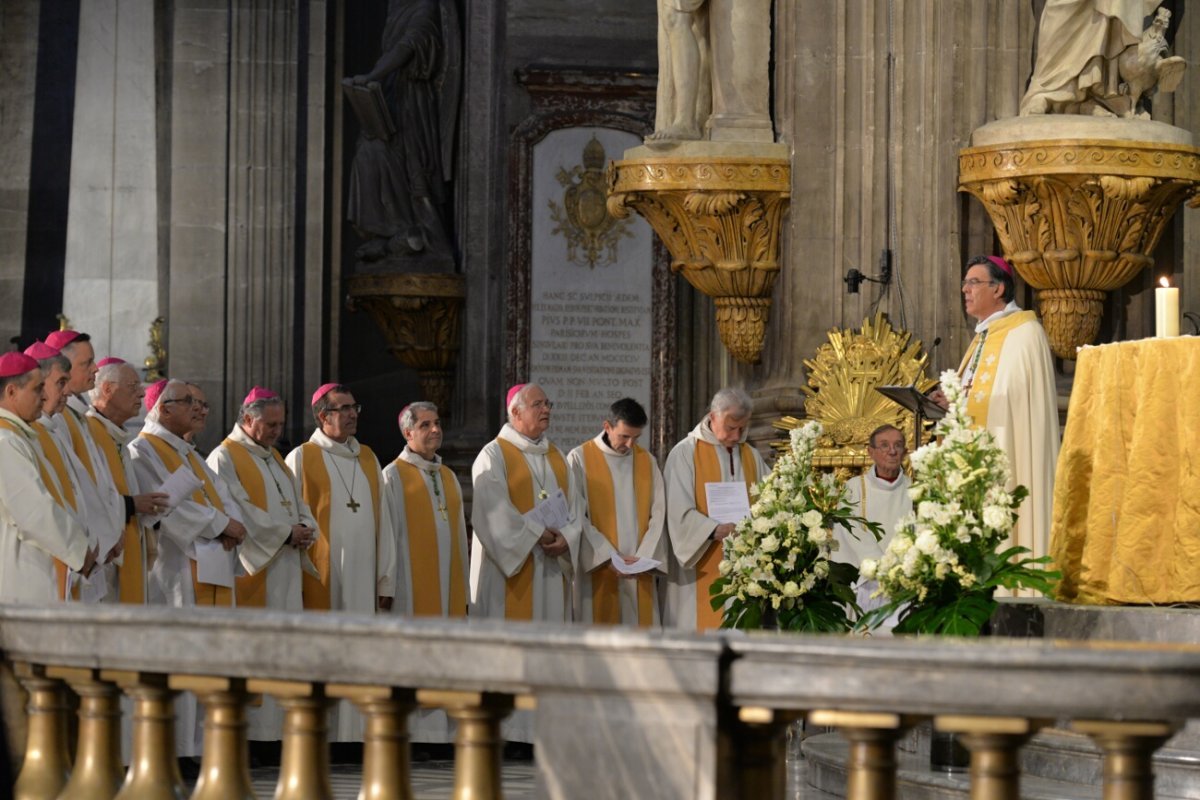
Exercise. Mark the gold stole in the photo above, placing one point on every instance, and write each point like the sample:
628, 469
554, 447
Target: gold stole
207, 594
423, 544
518, 590
252, 589
984, 379
602, 509
318, 493
708, 470
77, 442
132, 573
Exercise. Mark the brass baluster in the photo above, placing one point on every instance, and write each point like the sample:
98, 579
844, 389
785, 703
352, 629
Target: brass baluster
225, 765
304, 767
756, 759
154, 771
995, 745
98, 769
871, 765
47, 763
478, 745
387, 772
1128, 749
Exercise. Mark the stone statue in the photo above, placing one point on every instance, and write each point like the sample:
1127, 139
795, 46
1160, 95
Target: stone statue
1098, 57
399, 179
684, 83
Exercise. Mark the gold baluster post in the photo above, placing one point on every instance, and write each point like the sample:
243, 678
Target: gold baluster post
304, 767
387, 772
154, 770
1128, 749
754, 761
98, 770
478, 745
47, 763
995, 745
225, 766
871, 766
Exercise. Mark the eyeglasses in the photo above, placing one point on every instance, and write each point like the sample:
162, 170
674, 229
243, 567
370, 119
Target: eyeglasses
346, 409
888, 448
201, 404
972, 283
546, 404
187, 401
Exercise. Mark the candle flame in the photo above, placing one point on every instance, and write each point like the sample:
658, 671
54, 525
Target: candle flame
1164, 283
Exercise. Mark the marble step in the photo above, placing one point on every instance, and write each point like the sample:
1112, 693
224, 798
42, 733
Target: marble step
825, 756
1066, 756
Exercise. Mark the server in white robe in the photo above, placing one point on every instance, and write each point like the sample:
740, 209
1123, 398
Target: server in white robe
715, 451
624, 502
355, 551
880, 495
279, 526
431, 539
35, 527
1008, 378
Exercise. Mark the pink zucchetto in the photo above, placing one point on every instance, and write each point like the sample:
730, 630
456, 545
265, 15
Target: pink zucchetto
40, 350
104, 362
1002, 264
60, 339
321, 392
13, 364
512, 394
260, 393
153, 392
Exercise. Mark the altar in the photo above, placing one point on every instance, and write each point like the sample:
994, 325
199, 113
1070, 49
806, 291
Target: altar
1126, 521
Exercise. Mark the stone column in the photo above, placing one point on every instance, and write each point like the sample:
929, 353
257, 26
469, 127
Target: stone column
110, 287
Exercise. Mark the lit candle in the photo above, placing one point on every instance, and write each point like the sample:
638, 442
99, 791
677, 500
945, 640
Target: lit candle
1166, 310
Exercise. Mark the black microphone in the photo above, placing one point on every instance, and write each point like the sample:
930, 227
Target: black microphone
932, 349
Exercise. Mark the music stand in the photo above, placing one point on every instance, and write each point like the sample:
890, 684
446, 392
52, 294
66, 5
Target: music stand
922, 408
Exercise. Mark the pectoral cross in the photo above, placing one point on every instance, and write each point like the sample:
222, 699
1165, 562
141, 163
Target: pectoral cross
353, 505
287, 504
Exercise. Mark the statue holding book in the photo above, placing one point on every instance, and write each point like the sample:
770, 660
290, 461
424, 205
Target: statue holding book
406, 105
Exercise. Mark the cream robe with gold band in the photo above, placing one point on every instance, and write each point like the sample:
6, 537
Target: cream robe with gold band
73, 487
437, 556
34, 528
136, 554
880, 501
690, 530
360, 541
595, 549
1012, 393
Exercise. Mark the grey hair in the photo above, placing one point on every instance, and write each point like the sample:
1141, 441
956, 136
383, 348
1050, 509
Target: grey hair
169, 392
732, 400
408, 416
518, 400
882, 429
50, 362
109, 373
255, 409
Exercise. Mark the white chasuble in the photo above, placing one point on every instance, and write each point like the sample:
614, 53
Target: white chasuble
880, 501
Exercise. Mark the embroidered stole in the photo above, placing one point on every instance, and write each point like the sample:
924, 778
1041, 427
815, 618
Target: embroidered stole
708, 470
602, 510
132, 573
984, 380
318, 493
252, 589
207, 594
77, 442
423, 551
518, 590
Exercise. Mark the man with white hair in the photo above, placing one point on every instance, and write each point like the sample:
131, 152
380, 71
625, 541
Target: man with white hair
115, 400
37, 526
715, 451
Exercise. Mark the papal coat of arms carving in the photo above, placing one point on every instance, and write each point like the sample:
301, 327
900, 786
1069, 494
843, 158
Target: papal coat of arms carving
583, 220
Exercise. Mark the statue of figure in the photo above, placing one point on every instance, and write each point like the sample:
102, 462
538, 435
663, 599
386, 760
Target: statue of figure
684, 84
401, 170
1092, 57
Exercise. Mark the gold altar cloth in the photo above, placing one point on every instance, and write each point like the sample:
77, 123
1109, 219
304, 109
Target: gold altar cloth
1127, 489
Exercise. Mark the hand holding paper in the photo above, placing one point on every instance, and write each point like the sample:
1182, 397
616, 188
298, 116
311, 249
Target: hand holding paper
636, 568
178, 486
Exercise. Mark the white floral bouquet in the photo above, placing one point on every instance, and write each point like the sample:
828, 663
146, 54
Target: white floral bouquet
944, 564
776, 569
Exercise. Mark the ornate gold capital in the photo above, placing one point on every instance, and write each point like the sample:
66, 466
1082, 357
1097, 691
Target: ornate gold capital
419, 315
720, 218
1079, 217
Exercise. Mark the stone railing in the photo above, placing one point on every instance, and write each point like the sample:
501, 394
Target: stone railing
618, 713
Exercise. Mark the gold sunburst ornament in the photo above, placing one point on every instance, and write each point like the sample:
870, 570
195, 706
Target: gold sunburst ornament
841, 390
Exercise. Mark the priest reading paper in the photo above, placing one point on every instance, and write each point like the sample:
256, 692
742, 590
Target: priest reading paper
715, 451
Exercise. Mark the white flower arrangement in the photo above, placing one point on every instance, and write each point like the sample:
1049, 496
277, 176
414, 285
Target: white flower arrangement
943, 565
777, 564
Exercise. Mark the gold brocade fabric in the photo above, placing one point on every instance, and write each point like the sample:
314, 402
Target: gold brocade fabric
1127, 490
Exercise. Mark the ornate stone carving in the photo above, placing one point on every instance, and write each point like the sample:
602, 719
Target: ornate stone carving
720, 219
420, 316
156, 362
1079, 218
592, 233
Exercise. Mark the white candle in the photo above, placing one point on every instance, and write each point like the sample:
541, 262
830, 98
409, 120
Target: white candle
1166, 310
